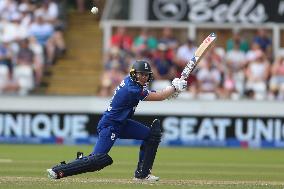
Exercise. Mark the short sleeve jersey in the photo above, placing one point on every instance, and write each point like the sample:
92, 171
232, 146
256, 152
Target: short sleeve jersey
124, 101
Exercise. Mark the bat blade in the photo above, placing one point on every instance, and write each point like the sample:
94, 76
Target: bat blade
199, 53
206, 44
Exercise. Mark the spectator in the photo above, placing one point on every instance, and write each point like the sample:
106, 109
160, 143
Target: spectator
184, 54
143, 55
280, 96
7, 8
238, 40
23, 77
43, 32
229, 87
252, 53
6, 56
114, 71
112, 77
121, 39
25, 8
169, 39
37, 50
264, 41
49, 9
26, 57
162, 66
4, 77
129, 60
13, 30
277, 77
235, 63
114, 60
41, 29
216, 56
144, 41
105, 88
208, 79
257, 74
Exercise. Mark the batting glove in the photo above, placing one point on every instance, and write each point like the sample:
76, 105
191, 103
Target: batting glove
179, 84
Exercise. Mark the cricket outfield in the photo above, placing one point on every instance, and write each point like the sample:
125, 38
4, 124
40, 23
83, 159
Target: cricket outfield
24, 166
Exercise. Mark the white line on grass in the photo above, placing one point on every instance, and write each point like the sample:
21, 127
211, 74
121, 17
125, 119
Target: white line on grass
6, 161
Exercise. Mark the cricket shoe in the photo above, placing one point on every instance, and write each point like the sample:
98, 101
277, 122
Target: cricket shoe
149, 178
51, 174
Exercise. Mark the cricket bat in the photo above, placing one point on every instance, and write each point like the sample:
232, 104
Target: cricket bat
201, 50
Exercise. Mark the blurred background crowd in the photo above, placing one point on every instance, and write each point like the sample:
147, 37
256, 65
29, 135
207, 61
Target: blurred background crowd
31, 39
245, 68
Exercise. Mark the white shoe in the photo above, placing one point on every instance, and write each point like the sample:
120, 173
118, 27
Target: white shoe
51, 174
150, 178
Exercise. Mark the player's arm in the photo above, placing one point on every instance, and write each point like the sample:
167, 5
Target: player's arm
161, 95
178, 85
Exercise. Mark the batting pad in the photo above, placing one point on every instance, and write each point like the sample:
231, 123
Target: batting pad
82, 165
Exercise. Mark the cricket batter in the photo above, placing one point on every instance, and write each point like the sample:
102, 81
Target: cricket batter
116, 123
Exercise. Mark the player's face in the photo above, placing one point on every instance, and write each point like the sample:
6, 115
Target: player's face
142, 77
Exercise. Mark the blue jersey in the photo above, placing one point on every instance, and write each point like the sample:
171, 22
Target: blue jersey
124, 101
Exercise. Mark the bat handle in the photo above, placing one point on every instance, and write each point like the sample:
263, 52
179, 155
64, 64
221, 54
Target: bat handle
189, 68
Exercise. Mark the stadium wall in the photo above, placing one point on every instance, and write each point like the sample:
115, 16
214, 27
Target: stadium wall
73, 120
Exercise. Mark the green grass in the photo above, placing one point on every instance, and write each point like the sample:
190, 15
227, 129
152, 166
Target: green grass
23, 166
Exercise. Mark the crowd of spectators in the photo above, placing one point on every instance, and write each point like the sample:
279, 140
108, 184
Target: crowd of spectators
244, 69
31, 38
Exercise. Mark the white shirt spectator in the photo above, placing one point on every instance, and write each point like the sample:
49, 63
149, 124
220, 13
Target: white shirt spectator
7, 8
257, 75
253, 52
185, 53
49, 10
13, 30
208, 78
26, 16
236, 59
